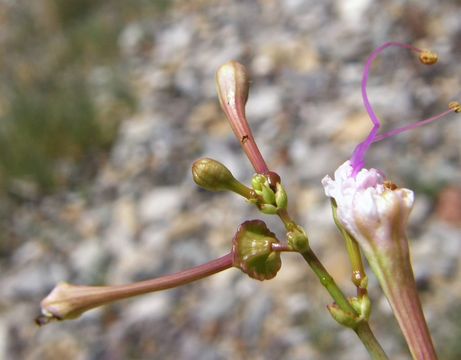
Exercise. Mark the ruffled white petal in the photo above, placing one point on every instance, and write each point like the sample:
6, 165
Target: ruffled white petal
368, 209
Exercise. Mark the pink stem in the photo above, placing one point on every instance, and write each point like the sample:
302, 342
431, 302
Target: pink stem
233, 86
399, 285
68, 301
236, 115
174, 280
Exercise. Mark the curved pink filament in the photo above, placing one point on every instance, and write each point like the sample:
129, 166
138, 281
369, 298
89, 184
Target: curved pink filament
358, 156
412, 126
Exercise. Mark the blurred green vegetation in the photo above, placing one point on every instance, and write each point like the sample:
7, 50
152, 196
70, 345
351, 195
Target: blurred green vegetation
65, 87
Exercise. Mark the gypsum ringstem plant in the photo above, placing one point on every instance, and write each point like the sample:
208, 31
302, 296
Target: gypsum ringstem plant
256, 251
373, 212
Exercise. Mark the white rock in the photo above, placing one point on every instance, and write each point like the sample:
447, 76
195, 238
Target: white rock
160, 204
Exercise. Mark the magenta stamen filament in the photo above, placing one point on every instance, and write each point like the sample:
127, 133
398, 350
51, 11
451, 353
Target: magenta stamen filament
412, 126
358, 156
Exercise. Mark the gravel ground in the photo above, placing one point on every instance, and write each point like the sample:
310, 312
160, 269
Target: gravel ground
144, 217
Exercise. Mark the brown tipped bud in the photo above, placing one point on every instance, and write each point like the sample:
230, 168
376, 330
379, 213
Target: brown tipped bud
428, 57
252, 250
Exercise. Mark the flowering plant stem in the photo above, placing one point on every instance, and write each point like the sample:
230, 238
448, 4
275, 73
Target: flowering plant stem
362, 329
368, 340
397, 280
174, 280
359, 277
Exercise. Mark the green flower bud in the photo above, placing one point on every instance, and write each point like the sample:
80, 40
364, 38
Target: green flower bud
281, 197
362, 305
344, 318
268, 209
273, 196
214, 176
252, 250
257, 182
297, 240
267, 194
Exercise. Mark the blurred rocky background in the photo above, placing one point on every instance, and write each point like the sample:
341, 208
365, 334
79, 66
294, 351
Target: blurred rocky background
104, 106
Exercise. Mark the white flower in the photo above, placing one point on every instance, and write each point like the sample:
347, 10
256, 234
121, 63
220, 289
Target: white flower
372, 209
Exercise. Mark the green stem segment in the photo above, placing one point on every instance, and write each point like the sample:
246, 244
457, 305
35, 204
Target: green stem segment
359, 277
327, 281
368, 339
286, 219
362, 330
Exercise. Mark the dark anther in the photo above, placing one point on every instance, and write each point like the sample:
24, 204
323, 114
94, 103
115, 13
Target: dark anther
273, 178
390, 185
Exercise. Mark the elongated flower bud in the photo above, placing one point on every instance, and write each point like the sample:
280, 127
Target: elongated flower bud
233, 84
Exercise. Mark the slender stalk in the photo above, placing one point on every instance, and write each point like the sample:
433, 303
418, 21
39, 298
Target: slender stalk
413, 324
370, 342
281, 248
362, 330
327, 281
170, 281
397, 280
286, 219
67, 301
359, 277
233, 83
